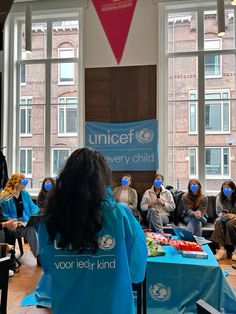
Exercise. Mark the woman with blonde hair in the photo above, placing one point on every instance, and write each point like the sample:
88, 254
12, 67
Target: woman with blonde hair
194, 207
17, 204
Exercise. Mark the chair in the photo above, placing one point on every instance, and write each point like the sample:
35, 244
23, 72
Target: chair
205, 308
4, 274
140, 288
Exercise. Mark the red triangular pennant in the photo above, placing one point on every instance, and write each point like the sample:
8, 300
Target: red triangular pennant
116, 17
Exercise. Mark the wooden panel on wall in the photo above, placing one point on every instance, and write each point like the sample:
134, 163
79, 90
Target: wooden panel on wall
122, 94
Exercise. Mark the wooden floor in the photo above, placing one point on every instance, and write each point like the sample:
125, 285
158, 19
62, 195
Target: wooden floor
24, 282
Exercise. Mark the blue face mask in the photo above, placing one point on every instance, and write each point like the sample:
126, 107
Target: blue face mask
124, 181
227, 191
24, 182
194, 187
48, 186
158, 183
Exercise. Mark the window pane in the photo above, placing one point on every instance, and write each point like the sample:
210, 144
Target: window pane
212, 65
65, 34
193, 162
225, 116
66, 72
213, 117
59, 159
22, 74
193, 117
22, 121
182, 26
39, 33
35, 127
22, 161
182, 78
211, 27
29, 161
71, 120
226, 161
61, 120
213, 161
35, 83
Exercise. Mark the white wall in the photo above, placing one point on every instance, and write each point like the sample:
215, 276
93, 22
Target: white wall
1, 61
140, 48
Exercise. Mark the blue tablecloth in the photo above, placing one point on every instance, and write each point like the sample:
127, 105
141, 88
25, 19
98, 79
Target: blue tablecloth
175, 283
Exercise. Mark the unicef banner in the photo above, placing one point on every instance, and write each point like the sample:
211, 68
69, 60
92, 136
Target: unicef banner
126, 146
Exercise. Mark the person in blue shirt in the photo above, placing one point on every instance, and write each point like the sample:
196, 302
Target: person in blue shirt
17, 204
92, 247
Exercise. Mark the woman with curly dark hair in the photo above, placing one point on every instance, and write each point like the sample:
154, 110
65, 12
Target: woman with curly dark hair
194, 207
225, 225
92, 247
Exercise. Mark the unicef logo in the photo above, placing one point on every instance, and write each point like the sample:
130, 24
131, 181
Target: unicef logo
106, 242
144, 136
160, 292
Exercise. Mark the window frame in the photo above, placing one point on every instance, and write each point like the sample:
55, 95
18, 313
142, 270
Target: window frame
163, 8
27, 174
12, 61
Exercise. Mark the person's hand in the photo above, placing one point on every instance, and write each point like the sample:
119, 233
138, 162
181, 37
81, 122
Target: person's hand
160, 202
229, 216
198, 214
10, 224
152, 204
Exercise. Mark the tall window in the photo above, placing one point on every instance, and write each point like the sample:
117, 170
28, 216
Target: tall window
67, 116
43, 107
26, 162
217, 118
25, 116
66, 70
213, 66
197, 107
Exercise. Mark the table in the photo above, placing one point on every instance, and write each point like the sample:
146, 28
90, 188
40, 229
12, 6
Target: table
175, 283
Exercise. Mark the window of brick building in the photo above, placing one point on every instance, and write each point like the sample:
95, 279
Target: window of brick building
217, 115
197, 95
26, 116
66, 70
26, 162
59, 158
67, 116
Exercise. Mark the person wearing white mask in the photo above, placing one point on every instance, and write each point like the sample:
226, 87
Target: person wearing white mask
159, 203
194, 207
225, 225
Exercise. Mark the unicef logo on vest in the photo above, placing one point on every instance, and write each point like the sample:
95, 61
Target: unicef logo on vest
144, 136
160, 292
106, 242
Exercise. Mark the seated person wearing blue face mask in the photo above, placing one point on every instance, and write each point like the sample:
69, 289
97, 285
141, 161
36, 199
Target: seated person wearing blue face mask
158, 202
47, 187
225, 225
127, 195
194, 207
17, 204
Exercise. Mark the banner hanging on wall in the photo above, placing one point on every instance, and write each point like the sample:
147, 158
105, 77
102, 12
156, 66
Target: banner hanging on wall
126, 146
115, 17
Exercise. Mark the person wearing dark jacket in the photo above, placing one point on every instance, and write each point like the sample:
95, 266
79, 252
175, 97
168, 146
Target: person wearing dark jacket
47, 188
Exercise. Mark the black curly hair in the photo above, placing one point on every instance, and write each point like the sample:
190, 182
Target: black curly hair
73, 210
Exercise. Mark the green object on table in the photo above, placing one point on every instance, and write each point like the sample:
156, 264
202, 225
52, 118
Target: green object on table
154, 249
